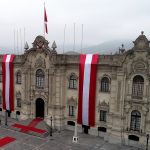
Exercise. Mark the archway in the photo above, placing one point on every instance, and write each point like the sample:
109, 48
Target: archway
39, 108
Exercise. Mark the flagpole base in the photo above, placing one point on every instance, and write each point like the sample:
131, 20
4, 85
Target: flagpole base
75, 139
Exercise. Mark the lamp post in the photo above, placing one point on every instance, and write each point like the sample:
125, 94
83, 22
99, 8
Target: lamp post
51, 126
147, 141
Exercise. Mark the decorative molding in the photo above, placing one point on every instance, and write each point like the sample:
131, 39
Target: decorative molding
40, 63
40, 42
141, 43
103, 106
72, 74
18, 94
72, 101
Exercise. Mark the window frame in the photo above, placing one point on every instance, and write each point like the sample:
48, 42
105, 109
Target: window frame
18, 78
103, 115
138, 87
40, 79
71, 110
18, 102
135, 122
105, 86
73, 82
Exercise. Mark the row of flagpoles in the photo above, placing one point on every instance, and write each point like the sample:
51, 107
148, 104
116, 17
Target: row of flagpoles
46, 31
19, 42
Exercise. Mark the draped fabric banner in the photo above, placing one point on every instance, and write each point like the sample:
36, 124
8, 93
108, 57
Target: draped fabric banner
87, 89
7, 81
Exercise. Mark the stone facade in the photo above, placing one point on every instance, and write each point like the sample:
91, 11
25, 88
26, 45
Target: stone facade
55, 89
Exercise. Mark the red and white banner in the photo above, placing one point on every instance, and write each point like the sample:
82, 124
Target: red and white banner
87, 89
7, 81
45, 20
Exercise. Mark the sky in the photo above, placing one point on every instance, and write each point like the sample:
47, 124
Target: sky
103, 20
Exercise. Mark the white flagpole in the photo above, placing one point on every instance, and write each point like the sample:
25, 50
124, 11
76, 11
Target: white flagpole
14, 42
81, 38
17, 41
64, 38
44, 19
20, 40
74, 37
24, 36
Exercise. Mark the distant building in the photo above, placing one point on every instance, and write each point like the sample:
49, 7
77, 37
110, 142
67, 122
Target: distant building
46, 84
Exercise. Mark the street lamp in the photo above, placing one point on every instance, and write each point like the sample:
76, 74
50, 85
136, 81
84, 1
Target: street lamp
51, 127
147, 141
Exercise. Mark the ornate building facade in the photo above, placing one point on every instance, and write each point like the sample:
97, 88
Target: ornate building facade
46, 84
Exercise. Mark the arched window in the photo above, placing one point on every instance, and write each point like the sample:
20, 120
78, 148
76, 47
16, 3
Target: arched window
137, 87
105, 84
18, 78
40, 78
73, 82
135, 120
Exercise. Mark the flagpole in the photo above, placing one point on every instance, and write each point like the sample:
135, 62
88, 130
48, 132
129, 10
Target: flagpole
6, 118
74, 37
44, 19
14, 42
20, 40
81, 38
64, 38
17, 41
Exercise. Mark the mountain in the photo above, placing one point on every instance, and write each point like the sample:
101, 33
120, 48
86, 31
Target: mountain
103, 48
109, 47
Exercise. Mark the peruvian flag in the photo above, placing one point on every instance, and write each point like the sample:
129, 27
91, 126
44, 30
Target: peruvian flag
45, 20
7, 81
87, 89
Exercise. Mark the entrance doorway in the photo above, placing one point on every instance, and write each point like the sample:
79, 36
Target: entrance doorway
39, 108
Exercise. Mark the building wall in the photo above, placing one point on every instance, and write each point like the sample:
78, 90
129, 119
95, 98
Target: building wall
119, 68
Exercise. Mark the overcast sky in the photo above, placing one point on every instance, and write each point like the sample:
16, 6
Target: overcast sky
103, 20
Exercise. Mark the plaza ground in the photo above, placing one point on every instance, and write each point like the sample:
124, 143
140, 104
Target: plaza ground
58, 141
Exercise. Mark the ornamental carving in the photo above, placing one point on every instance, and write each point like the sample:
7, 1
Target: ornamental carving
18, 94
40, 63
103, 106
139, 66
72, 101
40, 42
141, 43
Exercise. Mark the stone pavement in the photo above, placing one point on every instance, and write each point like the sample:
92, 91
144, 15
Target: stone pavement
59, 141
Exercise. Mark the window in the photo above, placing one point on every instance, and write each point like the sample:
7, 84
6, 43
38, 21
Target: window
102, 129
0, 76
71, 123
103, 115
39, 78
71, 110
138, 86
19, 102
73, 82
133, 137
135, 120
105, 84
18, 78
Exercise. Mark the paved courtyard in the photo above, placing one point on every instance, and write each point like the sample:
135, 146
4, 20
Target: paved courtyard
59, 141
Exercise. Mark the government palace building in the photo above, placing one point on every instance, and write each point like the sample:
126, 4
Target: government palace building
46, 85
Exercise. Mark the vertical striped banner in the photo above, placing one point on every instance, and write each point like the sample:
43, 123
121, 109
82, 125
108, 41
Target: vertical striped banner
7, 81
87, 89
